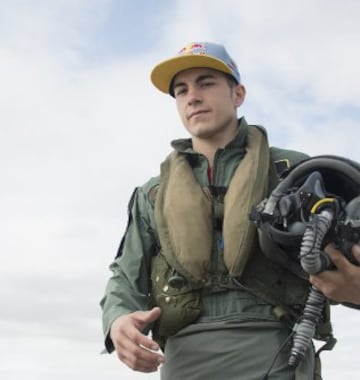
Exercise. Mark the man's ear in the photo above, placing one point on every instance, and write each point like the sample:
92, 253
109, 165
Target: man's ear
240, 93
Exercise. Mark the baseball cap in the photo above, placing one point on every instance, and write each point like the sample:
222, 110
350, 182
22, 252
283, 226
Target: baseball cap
194, 54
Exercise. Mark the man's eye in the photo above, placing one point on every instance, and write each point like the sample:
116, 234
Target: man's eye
180, 91
206, 84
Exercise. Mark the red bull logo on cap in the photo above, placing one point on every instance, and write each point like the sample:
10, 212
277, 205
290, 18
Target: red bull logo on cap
193, 49
194, 54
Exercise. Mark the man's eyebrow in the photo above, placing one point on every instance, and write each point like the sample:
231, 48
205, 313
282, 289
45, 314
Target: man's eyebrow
204, 77
199, 79
178, 84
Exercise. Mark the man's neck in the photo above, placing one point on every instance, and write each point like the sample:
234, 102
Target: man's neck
206, 150
208, 147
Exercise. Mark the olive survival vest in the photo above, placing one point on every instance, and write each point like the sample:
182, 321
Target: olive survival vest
185, 214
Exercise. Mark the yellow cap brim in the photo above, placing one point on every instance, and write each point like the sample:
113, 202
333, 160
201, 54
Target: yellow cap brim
164, 72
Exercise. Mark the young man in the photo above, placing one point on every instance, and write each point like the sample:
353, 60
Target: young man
189, 267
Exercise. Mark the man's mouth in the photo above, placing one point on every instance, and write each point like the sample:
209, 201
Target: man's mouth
196, 113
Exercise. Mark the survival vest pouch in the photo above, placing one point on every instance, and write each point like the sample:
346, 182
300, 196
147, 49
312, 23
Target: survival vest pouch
317, 201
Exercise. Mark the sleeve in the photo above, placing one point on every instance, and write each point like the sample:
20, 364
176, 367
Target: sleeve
128, 288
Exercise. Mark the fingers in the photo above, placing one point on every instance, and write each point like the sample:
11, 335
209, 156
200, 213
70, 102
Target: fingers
136, 350
343, 284
337, 258
340, 260
356, 252
138, 357
328, 282
143, 318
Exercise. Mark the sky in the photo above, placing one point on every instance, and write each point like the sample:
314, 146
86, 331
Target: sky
81, 125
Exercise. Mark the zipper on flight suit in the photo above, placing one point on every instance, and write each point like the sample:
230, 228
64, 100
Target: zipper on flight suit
218, 193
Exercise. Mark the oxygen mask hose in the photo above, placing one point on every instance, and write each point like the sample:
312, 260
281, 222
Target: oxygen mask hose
313, 260
305, 329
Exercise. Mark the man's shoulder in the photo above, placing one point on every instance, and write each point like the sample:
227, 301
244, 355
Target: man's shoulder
287, 156
150, 183
149, 189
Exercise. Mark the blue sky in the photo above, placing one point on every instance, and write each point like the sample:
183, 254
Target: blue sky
81, 126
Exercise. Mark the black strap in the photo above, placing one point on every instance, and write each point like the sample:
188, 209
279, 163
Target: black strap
130, 206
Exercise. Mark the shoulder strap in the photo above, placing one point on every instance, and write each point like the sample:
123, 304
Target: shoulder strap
130, 206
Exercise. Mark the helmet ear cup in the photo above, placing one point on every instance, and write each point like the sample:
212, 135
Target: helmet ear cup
353, 209
279, 239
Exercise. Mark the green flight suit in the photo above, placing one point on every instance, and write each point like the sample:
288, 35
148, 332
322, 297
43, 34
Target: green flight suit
237, 335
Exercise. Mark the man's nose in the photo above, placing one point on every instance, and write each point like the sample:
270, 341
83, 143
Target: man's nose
194, 95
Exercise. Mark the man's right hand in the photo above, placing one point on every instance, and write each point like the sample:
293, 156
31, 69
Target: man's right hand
136, 350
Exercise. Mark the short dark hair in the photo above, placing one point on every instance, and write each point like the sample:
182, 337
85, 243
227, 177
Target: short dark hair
231, 80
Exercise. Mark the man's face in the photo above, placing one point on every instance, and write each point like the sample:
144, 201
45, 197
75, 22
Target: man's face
206, 102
